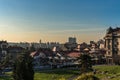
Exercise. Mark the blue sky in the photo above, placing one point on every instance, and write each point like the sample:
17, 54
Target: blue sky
56, 20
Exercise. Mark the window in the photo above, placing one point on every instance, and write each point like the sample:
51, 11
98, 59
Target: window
108, 53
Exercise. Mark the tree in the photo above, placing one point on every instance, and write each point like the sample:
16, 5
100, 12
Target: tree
23, 68
5, 62
85, 63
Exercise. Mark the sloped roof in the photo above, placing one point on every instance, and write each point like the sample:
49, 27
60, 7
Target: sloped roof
73, 54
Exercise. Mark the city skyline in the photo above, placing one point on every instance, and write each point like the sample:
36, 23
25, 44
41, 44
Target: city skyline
56, 20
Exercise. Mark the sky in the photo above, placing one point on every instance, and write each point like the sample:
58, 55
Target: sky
56, 20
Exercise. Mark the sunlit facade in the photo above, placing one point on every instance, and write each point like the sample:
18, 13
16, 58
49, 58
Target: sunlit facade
112, 45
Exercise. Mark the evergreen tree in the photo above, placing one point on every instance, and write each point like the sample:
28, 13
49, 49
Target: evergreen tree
85, 63
23, 68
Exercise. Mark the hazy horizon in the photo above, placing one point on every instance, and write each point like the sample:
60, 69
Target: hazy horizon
56, 20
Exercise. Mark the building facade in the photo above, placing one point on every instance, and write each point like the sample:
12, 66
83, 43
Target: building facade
3, 50
71, 44
72, 40
112, 45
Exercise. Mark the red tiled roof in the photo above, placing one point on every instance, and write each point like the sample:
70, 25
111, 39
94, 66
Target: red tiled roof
73, 54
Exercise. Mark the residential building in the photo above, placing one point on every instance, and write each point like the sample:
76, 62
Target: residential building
3, 49
71, 44
112, 45
101, 44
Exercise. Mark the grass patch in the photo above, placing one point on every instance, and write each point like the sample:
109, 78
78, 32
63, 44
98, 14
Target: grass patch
111, 69
6, 78
112, 72
55, 74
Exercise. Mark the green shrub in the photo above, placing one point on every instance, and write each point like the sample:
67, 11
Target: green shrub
87, 76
